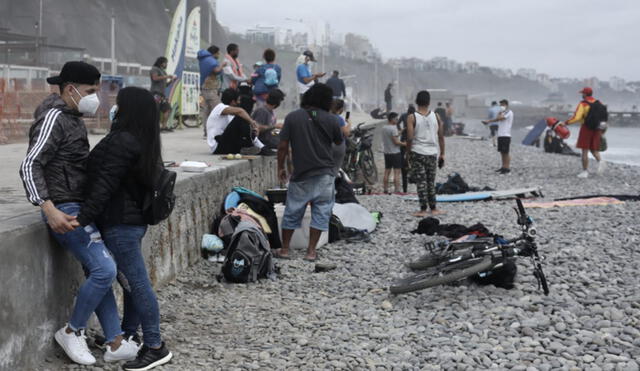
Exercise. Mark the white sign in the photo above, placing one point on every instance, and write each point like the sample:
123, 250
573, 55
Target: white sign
190, 93
193, 34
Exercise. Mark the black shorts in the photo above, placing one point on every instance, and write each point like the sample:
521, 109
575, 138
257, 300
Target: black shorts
494, 130
163, 102
393, 161
503, 144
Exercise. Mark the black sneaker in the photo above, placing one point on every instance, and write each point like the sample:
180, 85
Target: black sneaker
500, 170
149, 358
505, 171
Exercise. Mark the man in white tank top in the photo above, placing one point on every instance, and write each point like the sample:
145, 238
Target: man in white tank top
425, 151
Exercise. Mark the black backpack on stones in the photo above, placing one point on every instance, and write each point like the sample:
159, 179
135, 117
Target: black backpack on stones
597, 114
248, 257
159, 201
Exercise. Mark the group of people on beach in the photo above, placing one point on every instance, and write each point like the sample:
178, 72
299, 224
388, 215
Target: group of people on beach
500, 121
93, 201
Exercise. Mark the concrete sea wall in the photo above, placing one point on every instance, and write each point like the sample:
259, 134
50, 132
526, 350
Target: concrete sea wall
38, 279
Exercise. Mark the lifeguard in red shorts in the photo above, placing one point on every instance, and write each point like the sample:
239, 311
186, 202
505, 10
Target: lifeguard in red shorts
588, 139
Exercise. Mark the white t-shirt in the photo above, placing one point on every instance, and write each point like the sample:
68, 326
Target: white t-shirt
504, 126
216, 124
425, 141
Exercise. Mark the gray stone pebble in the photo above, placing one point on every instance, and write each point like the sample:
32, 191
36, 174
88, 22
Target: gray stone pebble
346, 319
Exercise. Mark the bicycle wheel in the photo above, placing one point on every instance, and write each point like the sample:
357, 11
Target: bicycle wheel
439, 276
192, 122
426, 261
368, 166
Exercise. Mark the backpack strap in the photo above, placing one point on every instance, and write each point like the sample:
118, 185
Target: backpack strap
314, 119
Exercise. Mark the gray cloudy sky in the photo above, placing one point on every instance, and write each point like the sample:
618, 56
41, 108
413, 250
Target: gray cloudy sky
565, 38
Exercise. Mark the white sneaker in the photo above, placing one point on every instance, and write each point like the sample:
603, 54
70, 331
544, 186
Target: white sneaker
602, 166
75, 345
583, 174
127, 352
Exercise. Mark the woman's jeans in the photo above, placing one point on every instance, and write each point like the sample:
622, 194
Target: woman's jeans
95, 294
140, 303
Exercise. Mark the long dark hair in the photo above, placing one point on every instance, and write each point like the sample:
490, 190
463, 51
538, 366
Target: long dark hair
138, 115
160, 61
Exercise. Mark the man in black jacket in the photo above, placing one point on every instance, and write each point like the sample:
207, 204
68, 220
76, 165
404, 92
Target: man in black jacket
337, 85
53, 175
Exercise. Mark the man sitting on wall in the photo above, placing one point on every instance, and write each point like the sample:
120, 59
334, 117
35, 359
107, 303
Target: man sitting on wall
230, 129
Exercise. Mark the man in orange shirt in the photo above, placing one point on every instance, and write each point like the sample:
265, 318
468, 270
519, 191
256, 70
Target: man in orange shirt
588, 139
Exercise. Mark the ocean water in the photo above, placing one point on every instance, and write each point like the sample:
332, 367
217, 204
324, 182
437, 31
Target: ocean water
623, 142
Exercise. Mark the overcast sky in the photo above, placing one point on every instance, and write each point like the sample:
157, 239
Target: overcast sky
564, 38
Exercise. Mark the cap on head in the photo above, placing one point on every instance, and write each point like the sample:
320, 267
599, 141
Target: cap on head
309, 53
586, 91
76, 72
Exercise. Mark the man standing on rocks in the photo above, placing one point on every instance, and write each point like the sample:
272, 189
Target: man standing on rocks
310, 131
588, 139
425, 140
388, 97
494, 110
505, 121
337, 85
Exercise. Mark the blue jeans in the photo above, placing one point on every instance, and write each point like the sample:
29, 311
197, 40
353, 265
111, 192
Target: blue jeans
140, 303
95, 294
320, 192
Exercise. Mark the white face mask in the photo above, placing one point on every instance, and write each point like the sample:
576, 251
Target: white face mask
503, 108
112, 112
88, 104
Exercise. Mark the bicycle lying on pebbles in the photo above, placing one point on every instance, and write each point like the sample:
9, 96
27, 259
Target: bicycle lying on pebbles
458, 260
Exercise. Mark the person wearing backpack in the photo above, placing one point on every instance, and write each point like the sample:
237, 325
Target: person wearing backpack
122, 170
266, 77
311, 131
590, 113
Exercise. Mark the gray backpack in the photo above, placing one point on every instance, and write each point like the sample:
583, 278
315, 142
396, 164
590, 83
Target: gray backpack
249, 256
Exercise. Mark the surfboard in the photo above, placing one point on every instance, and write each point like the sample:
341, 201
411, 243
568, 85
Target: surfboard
534, 133
475, 196
517, 192
469, 196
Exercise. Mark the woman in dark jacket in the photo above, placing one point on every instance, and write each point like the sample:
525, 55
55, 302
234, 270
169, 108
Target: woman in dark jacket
120, 172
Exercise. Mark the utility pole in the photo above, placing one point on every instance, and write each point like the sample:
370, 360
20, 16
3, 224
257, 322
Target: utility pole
210, 33
375, 83
114, 67
40, 21
398, 82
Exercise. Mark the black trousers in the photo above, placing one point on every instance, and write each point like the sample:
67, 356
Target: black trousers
236, 136
405, 183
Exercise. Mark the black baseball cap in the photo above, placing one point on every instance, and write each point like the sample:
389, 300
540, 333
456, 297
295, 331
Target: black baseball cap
309, 54
77, 72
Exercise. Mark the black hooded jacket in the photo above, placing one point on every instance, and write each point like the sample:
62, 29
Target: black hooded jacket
114, 191
54, 168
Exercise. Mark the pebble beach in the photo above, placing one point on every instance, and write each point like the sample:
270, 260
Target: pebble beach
347, 319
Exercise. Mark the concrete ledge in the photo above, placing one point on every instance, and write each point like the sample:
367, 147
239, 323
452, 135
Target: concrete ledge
38, 279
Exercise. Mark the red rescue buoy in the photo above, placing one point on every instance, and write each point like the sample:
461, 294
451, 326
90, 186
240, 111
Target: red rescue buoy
560, 130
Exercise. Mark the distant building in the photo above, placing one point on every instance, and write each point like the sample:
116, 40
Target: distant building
262, 35
617, 83
593, 82
504, 73
527, 73
444, 63
471, 67
359, 47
